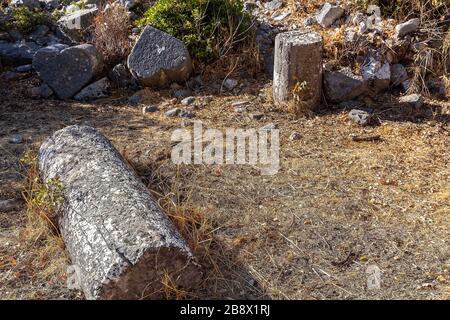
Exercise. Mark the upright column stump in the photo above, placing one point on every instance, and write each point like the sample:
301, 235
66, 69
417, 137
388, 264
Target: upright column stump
298, 68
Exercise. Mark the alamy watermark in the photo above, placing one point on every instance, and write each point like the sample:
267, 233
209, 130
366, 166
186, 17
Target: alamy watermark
259, 148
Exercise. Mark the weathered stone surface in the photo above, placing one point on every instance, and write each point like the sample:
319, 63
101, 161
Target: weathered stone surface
329, 14
157, 59
116, 235
378, 74
412, 100
360, 117
407, 27
398, 74
19, 52
78, 20
298, 68
343, 85
67, 69
120, 76
43, 91
98, 89
9, 205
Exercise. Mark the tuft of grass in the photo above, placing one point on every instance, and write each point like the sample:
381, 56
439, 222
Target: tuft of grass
210, 28
25, 19
41, 233
110, 32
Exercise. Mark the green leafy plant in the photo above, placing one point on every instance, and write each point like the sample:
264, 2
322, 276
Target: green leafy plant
25, 20
210, 28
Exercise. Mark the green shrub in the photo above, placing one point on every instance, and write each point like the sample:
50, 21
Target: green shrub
25, 20
210, 28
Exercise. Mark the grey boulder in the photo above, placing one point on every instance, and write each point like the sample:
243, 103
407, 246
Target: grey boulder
67, 69
343, 85
158, 59
19, 52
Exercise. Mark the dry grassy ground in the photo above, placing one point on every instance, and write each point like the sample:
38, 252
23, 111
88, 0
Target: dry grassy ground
309, 232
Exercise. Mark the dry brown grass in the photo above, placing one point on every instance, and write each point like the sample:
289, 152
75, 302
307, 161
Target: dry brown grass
110, 33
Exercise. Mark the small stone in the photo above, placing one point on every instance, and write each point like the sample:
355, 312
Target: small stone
412, 100
407, 27
16, 139
230, 84
398, 74
135, 31
295, 136
43, 91
182, 93
273, 5
120, 76
309, 21
172, 112
360, 117
269, 126
10, 75
239, 103
188, 101
9, 205
240, 109
134, 99
24, 68
281, 16
149, 109
329, 14
256, 116
186, 114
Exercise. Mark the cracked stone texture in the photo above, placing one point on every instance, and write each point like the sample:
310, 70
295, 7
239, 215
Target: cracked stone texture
67, 69
115, 233
298, 60
158, 59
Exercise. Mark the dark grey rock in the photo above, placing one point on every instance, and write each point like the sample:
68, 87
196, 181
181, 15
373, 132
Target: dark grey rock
230, 84
398, 74
10, 75
121, 77
295, 136
24, 68
149, 109
39, 31
182, 93
187, 114
343, 85
360, 117
67, 69
256, 116
19, 52
96, 90
134, 99
16, 35
157, 59
117, 237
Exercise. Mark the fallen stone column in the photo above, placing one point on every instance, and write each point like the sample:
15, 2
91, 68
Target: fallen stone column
119, 240
298, 68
